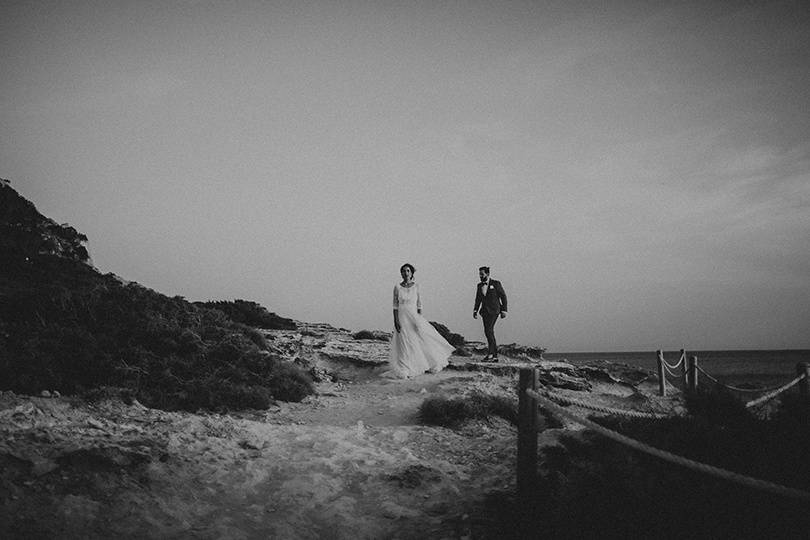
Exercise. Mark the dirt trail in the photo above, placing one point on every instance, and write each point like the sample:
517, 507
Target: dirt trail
350, 463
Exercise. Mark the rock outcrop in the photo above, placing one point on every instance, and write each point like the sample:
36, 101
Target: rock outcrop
378, 335
333, 354
518, 351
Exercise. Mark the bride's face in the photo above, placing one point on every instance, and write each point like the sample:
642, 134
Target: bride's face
406, 273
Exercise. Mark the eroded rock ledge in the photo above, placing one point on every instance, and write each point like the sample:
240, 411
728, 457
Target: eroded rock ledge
326, 351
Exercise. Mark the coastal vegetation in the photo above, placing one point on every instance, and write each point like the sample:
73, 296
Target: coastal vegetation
250, 313
66, 327
453, 411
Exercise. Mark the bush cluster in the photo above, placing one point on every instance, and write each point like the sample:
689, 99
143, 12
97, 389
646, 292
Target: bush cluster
64, 326
454, 411
250, 313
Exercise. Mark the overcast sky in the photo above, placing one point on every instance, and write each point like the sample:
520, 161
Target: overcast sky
637, 174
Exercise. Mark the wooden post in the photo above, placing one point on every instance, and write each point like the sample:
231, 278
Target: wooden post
527, 434
687, 373
803, 368
685, 370
693, 373
662, 377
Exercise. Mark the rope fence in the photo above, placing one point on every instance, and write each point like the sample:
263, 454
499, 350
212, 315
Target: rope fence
528, 423
665, 368
680, 361
691, 369
736, 388
608, 410
717, 472
776, 392
670, 371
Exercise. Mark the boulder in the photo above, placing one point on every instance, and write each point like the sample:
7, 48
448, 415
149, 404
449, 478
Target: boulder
378, 335
513, 349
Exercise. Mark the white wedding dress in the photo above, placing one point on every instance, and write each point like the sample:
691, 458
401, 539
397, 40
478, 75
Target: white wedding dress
417, 347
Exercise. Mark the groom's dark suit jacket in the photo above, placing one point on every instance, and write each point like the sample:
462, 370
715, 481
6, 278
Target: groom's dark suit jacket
491, 303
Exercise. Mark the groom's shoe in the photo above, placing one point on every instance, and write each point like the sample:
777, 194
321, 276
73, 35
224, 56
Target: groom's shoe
489, 358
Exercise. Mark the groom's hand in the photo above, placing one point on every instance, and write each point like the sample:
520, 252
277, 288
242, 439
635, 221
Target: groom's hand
475, 314
503, 314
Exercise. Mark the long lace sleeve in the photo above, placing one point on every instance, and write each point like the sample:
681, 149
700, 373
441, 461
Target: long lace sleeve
418, 299
396, 300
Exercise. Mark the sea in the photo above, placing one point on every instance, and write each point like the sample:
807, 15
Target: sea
734, 367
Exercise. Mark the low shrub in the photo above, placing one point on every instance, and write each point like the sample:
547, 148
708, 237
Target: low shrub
454, 411
212, 393
250, 313
289, 382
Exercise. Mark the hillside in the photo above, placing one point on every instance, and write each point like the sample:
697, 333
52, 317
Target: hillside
66, 327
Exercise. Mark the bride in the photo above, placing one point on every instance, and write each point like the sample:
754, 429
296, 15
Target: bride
416, 346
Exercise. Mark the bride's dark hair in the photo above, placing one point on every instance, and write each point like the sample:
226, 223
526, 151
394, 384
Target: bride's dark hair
407, 265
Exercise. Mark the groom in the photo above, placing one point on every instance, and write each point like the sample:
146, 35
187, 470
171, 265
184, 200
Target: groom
490, 301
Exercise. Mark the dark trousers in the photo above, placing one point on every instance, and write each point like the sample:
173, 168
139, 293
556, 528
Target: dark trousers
489, 332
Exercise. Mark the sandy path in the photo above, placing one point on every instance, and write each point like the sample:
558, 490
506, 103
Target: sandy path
353, 464
350, 463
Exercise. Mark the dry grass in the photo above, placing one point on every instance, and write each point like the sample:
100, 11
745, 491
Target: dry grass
454, 411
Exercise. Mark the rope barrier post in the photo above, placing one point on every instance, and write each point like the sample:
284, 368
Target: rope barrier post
685, 371
662, 380
693, 373
803, 368
527, 433
687, 374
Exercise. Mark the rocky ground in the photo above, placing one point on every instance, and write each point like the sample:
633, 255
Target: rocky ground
352, 461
